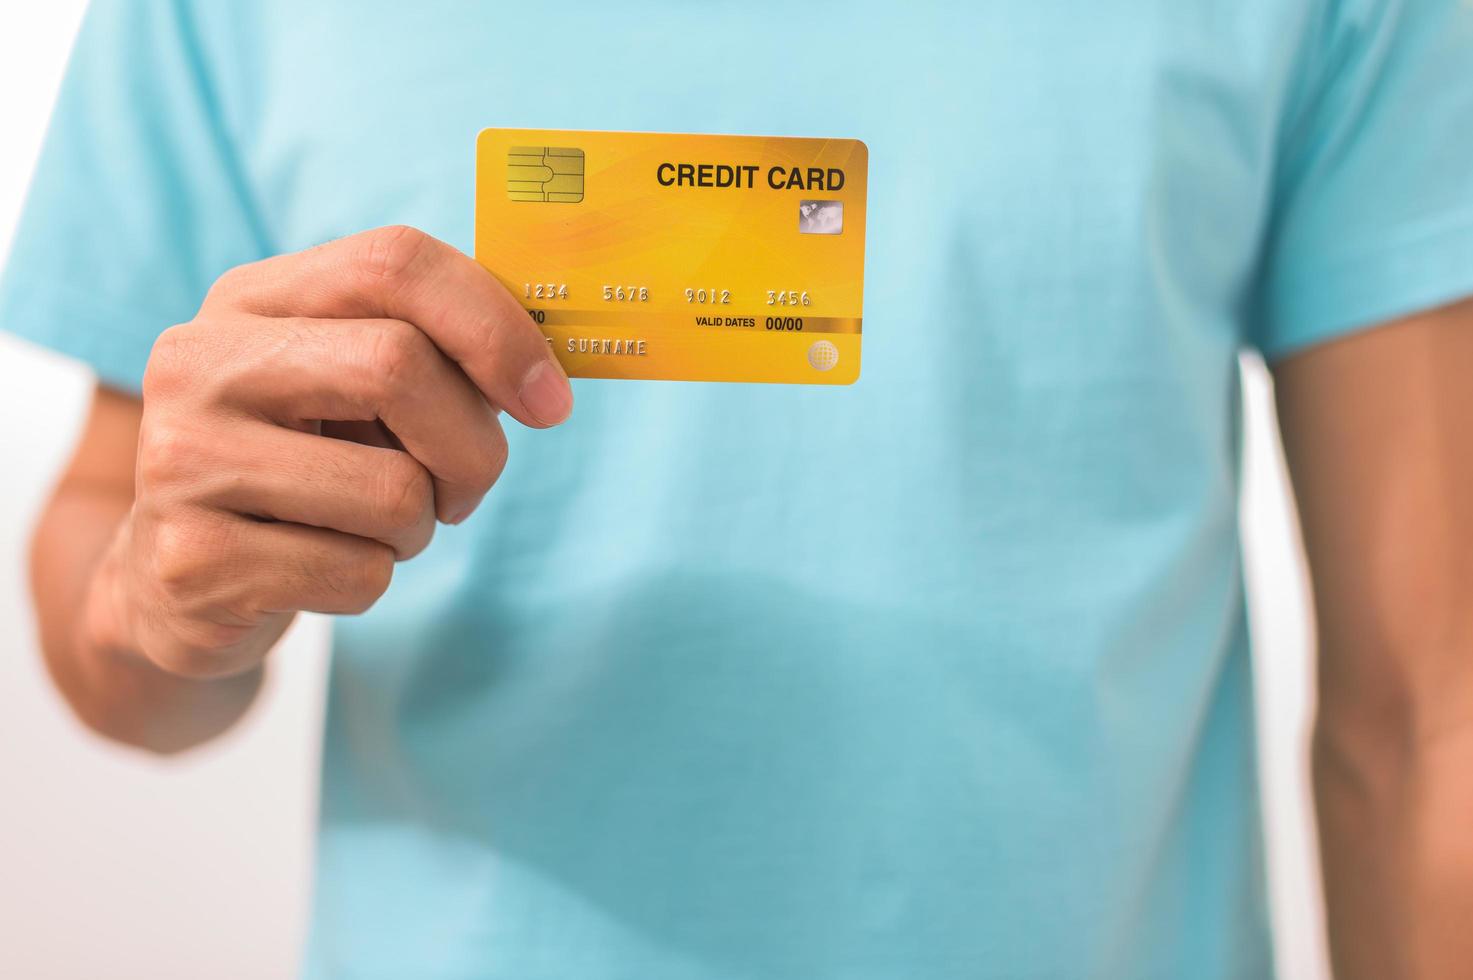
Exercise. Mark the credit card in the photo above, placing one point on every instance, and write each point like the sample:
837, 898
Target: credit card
680, 257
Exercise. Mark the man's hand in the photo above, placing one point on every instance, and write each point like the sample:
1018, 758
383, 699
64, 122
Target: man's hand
245, 511
301, 434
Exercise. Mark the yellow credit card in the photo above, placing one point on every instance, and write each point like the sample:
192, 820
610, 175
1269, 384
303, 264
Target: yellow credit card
680, 257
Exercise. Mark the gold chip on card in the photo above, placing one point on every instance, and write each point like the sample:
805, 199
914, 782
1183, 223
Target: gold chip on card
544, 173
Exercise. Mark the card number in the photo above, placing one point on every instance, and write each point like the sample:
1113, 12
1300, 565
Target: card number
546, 290
789, 297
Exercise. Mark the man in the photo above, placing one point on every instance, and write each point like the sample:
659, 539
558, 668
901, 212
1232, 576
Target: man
942, 675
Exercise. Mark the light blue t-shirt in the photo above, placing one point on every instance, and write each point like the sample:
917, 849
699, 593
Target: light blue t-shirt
943, 675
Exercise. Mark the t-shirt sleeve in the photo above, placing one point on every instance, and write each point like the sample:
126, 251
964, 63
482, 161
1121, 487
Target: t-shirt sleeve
138, 202
1373, 215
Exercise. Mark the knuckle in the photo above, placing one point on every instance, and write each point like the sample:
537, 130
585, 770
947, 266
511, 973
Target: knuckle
496, 338
184, 553
196, 646
378, 572
489, 464
169, 363
230, 284
360, 582
396, 355
179, 652
389, 252
406, 493
166, 455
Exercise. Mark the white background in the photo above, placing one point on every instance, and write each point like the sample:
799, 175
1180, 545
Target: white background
117, 865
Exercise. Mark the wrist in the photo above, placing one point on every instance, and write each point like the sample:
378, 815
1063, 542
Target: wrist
128, 696
123, 687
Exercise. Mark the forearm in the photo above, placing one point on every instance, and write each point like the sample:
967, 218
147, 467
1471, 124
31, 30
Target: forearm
1374, 430
1395, 812
87, 635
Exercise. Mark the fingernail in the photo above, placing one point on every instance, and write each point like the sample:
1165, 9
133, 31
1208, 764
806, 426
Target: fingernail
546, 394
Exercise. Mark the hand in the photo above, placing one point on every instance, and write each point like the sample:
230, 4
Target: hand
304, 431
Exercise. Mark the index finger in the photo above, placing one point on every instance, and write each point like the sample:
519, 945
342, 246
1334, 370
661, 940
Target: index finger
404, 274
